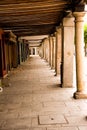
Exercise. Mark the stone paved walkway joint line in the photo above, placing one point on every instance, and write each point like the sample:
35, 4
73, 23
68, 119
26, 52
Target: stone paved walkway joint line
32, 99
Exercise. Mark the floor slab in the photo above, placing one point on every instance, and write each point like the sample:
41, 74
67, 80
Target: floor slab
32, 99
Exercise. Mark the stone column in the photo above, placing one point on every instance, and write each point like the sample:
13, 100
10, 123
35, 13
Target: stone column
67, 52
54, 41
35, 51
49, 51
79, 47
53, 58
40, 51
55, 53
44, 49
58, 49
45, 55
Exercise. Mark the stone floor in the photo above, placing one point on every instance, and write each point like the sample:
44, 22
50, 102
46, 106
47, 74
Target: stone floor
32, 99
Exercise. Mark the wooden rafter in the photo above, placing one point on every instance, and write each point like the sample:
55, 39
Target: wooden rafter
33, 17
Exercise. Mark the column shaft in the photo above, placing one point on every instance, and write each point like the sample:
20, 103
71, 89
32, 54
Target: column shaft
79, 47
58, 49
49, 52
51, 49
67, 54
56, 54
53, 57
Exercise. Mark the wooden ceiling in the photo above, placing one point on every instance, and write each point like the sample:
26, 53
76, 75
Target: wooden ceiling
33, 17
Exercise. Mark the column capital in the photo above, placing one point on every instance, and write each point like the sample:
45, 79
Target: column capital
79, 16
55, 33
58, 27
50, 38
54, 38
58, 30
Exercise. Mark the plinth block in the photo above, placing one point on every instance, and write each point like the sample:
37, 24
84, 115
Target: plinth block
80, 95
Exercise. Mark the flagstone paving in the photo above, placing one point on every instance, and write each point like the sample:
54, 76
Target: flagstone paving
32, 99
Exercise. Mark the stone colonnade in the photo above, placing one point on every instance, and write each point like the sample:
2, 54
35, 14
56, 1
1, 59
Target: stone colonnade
58, 51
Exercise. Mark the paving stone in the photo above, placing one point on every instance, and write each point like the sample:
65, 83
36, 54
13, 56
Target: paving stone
83, 128
63, 128
76, 113
76, 120
34, 121
52, 128
37, 128
58, 109
2, 124
5, 129
51, 119
50, 104
68, 128
22, 128
12, 106
8, 115
35, 100
18, 123
82, 106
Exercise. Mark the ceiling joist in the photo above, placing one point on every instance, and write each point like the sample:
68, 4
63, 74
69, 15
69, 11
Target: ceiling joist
33, 17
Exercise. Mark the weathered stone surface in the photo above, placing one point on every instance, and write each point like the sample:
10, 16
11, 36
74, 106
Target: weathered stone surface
83, 128
51, 119
34, 92
18, 123
76, 120
63, 128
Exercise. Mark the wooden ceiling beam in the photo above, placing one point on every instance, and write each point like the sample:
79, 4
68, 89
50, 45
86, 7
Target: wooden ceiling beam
32, 11
32, 33
25, 23
33, 27
27, 1
27, 12
23, 19
52, 12
18, 23
32, 17
26, 33
43, 19
29, 26
31, 4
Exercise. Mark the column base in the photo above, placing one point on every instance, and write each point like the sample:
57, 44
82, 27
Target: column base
52, 67
80, 95
66, 85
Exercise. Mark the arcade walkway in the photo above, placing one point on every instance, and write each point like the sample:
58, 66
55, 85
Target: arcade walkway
34, 100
